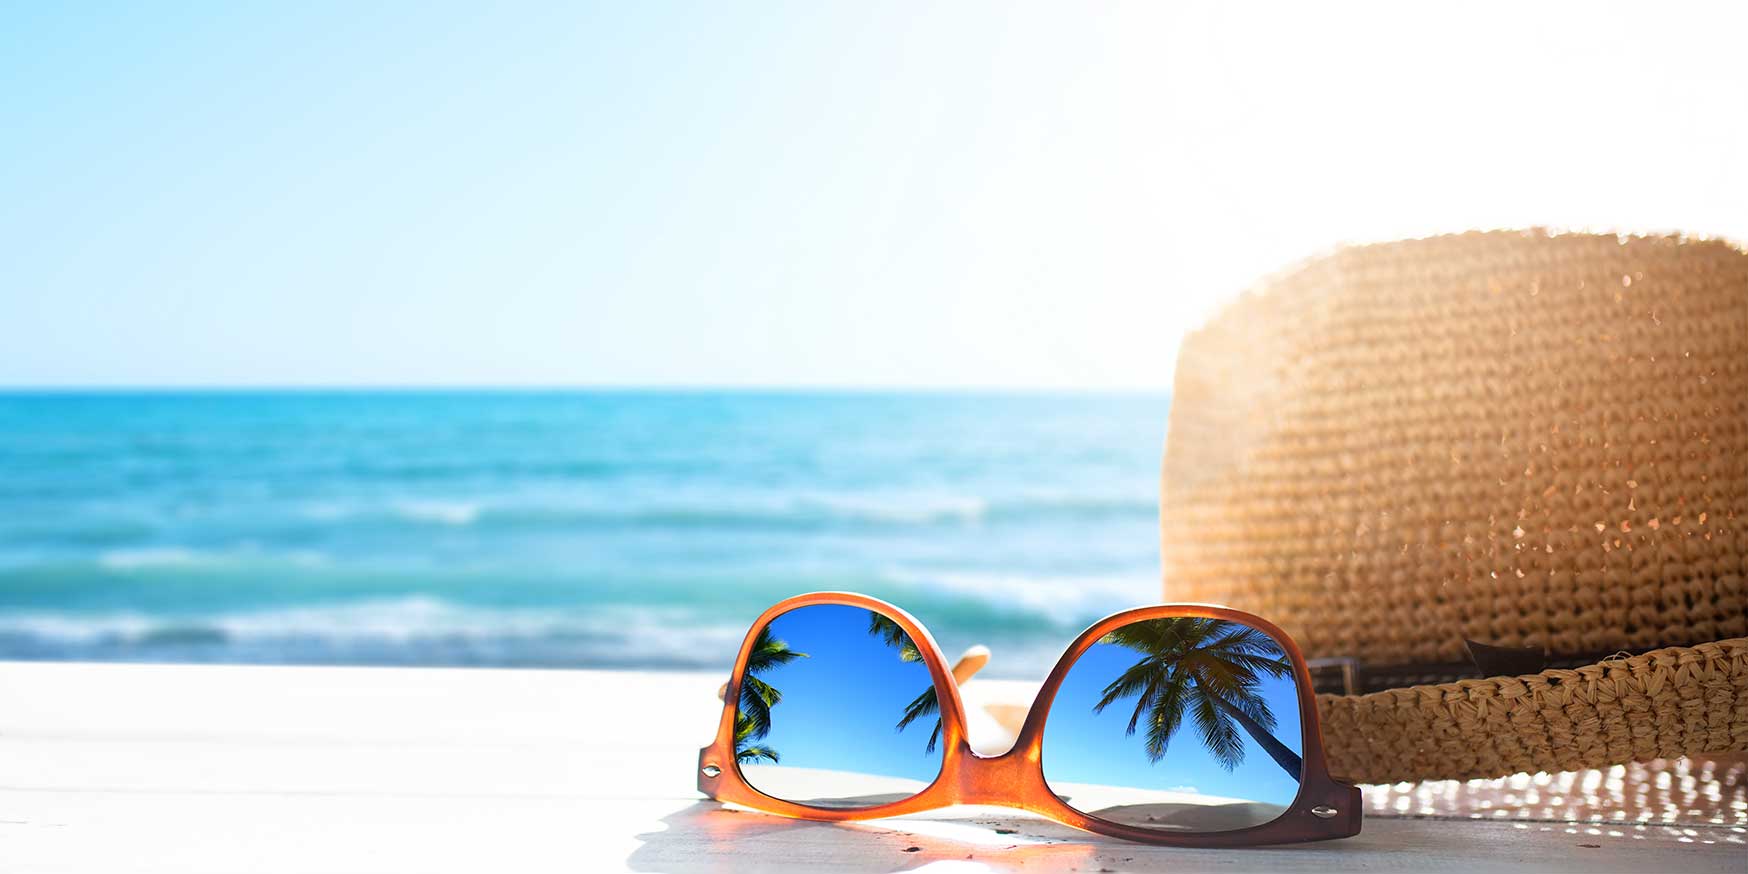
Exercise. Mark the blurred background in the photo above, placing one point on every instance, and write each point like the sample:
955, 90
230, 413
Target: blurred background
575, 334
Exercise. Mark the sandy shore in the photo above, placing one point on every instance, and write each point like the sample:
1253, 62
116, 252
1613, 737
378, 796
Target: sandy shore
147, 768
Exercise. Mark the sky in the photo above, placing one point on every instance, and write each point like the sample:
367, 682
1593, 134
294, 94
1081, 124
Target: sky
787, 194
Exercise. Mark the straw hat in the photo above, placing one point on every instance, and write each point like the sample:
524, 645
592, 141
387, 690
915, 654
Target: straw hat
1531, 441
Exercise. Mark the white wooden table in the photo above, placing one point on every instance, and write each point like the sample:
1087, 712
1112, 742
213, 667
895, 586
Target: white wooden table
121, 768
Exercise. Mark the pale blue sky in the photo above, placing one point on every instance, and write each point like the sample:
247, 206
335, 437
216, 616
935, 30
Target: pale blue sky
788, 193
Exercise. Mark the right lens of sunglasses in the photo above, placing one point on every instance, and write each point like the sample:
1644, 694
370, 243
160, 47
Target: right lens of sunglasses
837, 709
1183, 724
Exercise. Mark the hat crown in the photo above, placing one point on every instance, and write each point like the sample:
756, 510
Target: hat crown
1520, 438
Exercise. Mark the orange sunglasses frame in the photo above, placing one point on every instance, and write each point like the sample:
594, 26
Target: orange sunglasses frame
1324, 809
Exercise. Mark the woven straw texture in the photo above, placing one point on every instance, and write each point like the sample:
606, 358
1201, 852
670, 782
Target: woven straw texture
1514, 437
1663, 704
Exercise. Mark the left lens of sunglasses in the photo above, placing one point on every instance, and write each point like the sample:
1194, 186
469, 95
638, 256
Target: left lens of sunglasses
837, 709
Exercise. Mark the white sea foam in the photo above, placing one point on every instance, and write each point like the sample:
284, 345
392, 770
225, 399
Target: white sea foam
583, 635
441, 512
782, 507
152, 556
76, 629
778, 507
422, 616
893, 507
1064, 599
430, 511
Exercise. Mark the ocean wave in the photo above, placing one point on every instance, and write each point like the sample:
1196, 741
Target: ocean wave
783, 511
159, 557
177, 579
805, 510
409, 630
671, 624
1061, 599
442, 512
150, 556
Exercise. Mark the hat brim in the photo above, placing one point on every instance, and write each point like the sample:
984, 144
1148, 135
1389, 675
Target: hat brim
1661, 704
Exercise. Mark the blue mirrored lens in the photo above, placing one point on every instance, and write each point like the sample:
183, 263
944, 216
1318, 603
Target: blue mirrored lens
837, 709
1188, 724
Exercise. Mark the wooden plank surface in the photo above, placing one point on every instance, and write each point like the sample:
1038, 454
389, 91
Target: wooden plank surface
118, 768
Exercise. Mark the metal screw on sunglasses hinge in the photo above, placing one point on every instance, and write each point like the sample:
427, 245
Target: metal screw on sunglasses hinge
1323, 811
711, 770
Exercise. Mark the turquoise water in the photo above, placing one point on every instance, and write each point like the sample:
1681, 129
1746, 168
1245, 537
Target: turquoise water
607, 529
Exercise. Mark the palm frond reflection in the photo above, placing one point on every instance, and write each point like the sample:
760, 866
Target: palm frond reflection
1209, 670
752, 720
928, 702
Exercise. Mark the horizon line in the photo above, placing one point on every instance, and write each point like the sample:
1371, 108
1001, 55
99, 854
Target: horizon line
605, 388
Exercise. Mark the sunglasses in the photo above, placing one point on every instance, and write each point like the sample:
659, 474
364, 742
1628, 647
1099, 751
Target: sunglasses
1180, 724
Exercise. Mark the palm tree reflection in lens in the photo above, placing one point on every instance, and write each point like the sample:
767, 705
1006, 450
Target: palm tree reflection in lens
925, 704
752, 719
1209, 668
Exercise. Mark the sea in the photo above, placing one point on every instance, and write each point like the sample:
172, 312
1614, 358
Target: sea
558, 529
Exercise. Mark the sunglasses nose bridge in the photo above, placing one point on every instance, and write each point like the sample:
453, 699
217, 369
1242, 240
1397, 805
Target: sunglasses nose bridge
1000, 781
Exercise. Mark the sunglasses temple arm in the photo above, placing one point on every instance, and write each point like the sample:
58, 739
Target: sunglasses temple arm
970, 663
964, 669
